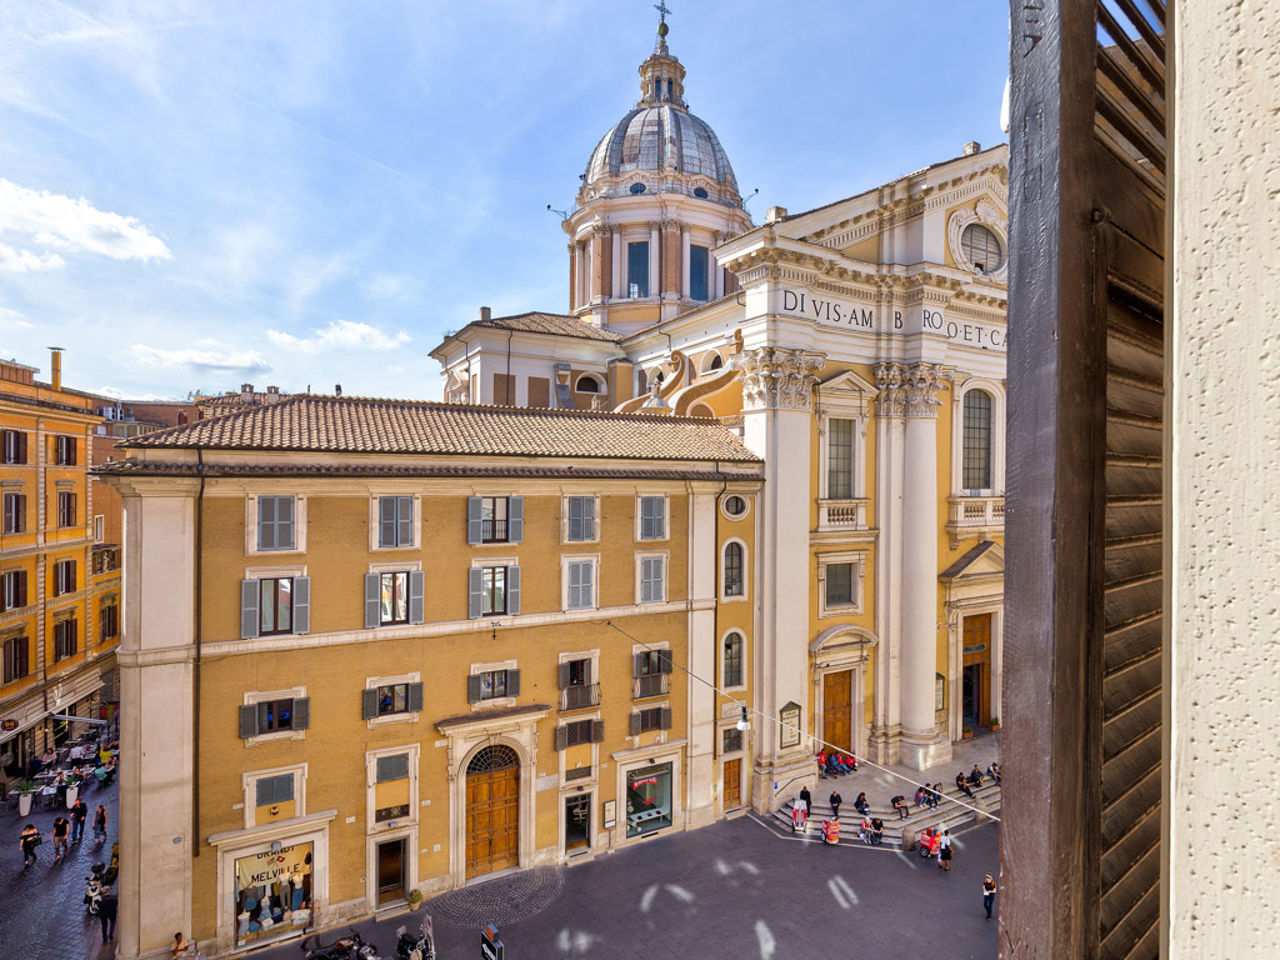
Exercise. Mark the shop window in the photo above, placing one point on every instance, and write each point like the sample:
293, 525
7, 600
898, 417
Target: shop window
273, 893
15, 512
395, 521
638, 269
13, 590
394, 597
64, 577
653, 579
976, 466
734, 585
493, 685
17, 651
64, 451
66, 509
15, 446
648, 799
275, 605
493, 591
733, 645
275, 523
579, 732
580, 523
699, 261
391, 699
495, 519
650, 670
653, 518
66, 638
277, 715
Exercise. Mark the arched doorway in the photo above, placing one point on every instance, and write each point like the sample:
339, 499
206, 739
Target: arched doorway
493, 810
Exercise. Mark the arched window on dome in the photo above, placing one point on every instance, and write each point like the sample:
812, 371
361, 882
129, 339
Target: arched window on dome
637, 188
700, 192
976, 468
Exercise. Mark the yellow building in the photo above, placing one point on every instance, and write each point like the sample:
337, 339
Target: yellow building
375, 647
59, 579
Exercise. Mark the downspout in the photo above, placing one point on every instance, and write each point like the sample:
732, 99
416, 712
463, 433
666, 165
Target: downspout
195, 693
509, 389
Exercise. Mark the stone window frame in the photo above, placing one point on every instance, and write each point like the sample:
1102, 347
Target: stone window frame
859, 560
249, 783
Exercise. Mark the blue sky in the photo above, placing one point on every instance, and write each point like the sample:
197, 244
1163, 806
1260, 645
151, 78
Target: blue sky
310, 192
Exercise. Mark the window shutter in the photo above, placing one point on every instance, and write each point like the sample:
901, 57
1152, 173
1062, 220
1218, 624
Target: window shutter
637, 665
475, 529
562, 737
369, 703
404, 531
266, 523
664, 658
513, 683
564, 675
415, 698
665, 719
597, 731
248, 721
515, 519
248, 609
301, 604
417, 596
372, 600
301, 713
635, 725
588, 518
586, 671
513, 590
660, 517
22, 580
575, 518
475, 590
22, 448
473, 688
386, 521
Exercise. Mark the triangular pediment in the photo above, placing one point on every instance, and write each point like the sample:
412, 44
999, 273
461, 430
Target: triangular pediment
984, 560
848, 383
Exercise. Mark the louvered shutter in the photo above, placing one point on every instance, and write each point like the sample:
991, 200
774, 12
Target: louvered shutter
515, 519
637, 665
635, 724
404, 534
284, 523
597, 731
664, 722
475, 592
22, 587
249, 597
301, 604
664, 658
513, 590
386, 521
589, 518
368, 704
563, 675
417, 596
249, 721
301, 713
475, 525
415, 698
586, 671
562, 737
473, 688
372, 600
513, 683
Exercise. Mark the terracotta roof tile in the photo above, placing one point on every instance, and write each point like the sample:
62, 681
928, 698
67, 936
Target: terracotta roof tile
556, 324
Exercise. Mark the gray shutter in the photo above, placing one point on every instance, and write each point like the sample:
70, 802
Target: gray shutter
415, 698
564, 675
417, 596
301, 604
515, 519
249, 594
664, 658
284, 523
635, 725
562, 737
589, 518
475, 529
637, 665
660, 510
665, 722
386, 521
473, 688
405, 522
301, 713
475, 591
513, 683
513, 590
369, 704
372, 600
248, 721
586, 671
597, 731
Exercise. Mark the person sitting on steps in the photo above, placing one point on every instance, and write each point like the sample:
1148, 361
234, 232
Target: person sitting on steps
962, 786
975, 777
861, 804
900, 804
993, 771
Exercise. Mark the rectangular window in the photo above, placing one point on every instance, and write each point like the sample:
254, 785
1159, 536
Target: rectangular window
109, 621
840, 459
699, 259
275, 523
270, 791
582, 518
733, 660
648, 799
578, 732
391, 801
652, 719
638, 269
15, 446
13, 590
395, 521
275, 606
732, 740
394, 602
274, 715
650, 671
580, 594
16, 663
653, 518
393, 698
64, 451
493, 519
839, 584
64, 577
66, 509
493, 684
653, 579
577, 690
15, 512
66, 638
99, 528
493, 590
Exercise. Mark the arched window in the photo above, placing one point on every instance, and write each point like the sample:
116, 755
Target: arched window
496, 757
712, 361
588, 384
733, 570
977, 441
981, 248
732, 676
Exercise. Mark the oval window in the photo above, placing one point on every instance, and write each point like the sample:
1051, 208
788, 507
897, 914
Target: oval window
735, 506
981, 247
637, 188
700, 192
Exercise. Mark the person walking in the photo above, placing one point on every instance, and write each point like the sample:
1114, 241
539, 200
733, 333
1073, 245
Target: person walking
107, 908
61, 828
988, 894
835, 800
944, 851
79, 813
100, 824
29, 840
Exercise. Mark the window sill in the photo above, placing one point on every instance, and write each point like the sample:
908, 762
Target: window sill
277, 735
840, 610
495, 703
736, 598
393, 718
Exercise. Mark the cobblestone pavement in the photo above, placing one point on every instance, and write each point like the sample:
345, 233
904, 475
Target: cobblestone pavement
42, 913
734, 889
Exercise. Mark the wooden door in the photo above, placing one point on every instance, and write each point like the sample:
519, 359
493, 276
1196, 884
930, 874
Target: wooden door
732, 788
837, 710
493, 820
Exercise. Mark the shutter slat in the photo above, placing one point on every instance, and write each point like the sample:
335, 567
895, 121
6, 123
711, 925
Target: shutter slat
475, 592
475, 528
635, 724
597, 731
301, 713
415, 698
248, 721
562, 737
473, 688
513, 590
563, 675
513, 683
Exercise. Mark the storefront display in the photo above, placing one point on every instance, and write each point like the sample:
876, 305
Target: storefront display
273, 893
648, 799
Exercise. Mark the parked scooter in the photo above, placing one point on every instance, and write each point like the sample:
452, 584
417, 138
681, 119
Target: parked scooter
419, 946
351, 947
93, 889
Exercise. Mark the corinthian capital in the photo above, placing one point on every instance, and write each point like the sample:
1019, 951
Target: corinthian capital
909, 389
775, 377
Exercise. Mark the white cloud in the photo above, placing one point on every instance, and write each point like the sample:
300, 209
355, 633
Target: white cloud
345, 334
207, 355
14, 320
63, 223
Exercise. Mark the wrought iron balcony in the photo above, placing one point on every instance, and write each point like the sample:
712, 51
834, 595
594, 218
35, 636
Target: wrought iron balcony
650, 685
580, 695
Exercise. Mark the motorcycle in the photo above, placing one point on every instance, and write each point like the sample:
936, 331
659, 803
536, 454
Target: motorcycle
93, 889
351, 947
419, 946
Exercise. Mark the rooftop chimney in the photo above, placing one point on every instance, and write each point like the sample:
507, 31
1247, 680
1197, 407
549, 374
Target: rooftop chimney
774, 214
485, 314
55, 373
246, 392
337, 389
972, 147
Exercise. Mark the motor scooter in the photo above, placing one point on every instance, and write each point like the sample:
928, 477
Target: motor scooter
350, 947
93, 889
419, 946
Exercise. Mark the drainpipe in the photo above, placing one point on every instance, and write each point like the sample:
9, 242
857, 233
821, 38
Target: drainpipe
195, 678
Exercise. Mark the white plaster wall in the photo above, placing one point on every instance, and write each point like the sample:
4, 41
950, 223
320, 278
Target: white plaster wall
1223, 674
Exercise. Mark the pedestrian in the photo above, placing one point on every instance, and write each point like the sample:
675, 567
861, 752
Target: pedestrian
29, 840
107, 907
61, 827
962, 786
975, 777
944, 851
79, 813
100, 824
835, 800
807, 799
988, 894
922, 796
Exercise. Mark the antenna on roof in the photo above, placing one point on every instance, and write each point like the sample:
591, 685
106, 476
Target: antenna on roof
747, 199
564, 214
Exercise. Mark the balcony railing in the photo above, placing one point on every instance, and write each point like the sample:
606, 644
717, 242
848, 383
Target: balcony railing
493, 531
580, 695
650, 685
975, 516
842, 514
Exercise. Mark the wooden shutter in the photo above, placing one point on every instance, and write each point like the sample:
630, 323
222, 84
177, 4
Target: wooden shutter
475, 526
513, 683
372, 600
368, 704
513, 590
415, 698
562, 737
635, 724
249, 596
473, 688
417, 596
22, 588
386, 521
515, 519
586, 671
284, 523
588, 518
664, 721
1083, 617
597, 731
249, 721
664, 659
475, 592
563, 675
637, 664
301, 604
301, 713
404, 522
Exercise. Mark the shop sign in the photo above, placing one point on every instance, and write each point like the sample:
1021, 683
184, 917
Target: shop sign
265, 868
8, 724
974, 648
490, 946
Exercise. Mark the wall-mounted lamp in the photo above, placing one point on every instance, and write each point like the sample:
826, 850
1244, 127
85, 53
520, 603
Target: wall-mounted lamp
743, 723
